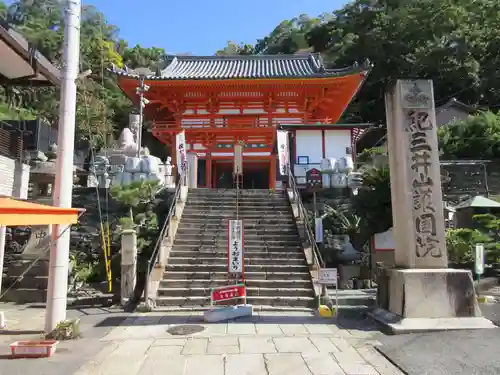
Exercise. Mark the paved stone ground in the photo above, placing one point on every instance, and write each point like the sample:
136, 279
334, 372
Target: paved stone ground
26, 322
265, 344
452, 352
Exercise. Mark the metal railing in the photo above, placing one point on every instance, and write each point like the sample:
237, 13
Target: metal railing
304, 216
153, 260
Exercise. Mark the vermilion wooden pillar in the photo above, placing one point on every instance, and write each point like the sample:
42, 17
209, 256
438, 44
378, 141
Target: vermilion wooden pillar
272, 171
208, 171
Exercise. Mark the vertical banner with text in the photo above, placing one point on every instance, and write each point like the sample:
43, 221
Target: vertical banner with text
180, 142
235, 246
284, 159
238, 160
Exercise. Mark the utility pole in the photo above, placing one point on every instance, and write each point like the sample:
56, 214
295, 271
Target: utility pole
57, 292
142, 103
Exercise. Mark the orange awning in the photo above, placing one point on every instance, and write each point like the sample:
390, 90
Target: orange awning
14, 212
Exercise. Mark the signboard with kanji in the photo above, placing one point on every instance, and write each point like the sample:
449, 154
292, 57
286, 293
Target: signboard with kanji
328, 276
227, 293
314, 178
235, 247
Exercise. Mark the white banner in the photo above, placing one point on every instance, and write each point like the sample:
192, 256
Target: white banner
479, 259
235, 246
318, 229
284, 159
180, 144
238, 159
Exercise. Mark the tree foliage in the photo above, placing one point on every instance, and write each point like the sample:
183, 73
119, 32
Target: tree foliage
102, 109
449, 41
373, 201
476, 137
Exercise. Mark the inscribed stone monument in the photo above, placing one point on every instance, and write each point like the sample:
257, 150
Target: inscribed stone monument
416, 187
422, 292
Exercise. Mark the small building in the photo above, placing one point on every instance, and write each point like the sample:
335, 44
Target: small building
221, 101
465, 211
451, 111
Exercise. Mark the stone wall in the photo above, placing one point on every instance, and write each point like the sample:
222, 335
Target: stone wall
466, 180
14, 178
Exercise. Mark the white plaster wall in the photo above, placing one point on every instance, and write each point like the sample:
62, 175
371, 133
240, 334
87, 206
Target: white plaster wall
336, 142
309, 143
14, 179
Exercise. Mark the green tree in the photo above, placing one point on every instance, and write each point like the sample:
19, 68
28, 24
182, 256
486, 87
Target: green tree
373, 202
232, 49
477, 137
140, 57
449, 41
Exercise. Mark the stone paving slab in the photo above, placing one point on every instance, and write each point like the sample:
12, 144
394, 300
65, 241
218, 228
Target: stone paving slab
264, 344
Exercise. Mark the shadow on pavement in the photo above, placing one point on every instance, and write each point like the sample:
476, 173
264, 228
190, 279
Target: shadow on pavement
168, 319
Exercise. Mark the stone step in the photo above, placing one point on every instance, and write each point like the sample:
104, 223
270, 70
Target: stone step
360, 297
248, 268
245, 213
251, 291
242, 206
24, 295
223, 261
232, 192
240, 198
250, 216
181, 240
14, 270
222, 235
200, 274
29, 282
256, 225
248, 254
214, 283
221, 247
253, 300
249, 232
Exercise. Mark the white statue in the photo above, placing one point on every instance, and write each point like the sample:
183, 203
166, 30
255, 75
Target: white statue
126, 142
169, 177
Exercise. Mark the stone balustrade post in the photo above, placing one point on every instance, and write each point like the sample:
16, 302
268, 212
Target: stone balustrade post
128, 264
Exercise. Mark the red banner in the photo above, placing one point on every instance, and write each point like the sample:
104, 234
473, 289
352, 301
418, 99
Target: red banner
228, 292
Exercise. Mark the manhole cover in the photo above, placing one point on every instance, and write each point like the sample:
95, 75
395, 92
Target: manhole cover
185, 330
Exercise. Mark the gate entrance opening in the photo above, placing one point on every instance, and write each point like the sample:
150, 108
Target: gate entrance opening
255, 175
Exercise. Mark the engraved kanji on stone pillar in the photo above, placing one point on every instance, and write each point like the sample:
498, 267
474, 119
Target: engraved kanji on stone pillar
417, 202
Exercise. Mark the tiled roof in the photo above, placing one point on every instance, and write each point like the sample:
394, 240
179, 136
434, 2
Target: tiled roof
242, 67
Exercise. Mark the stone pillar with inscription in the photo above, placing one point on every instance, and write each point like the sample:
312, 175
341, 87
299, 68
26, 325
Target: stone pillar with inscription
423, 293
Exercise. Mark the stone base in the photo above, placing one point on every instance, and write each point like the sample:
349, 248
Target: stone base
225, 313
394, 324
422, 300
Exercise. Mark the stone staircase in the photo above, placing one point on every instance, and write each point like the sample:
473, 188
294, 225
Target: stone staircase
276, 272
353, 301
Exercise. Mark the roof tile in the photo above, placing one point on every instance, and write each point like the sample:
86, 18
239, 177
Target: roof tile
243, 67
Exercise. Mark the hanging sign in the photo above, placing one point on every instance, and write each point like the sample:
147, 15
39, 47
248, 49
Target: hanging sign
238, 160
180, 141
314, 178
235, 246
318, 226
284, 160
479, 259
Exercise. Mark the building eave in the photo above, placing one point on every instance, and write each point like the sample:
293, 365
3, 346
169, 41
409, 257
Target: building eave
42, 71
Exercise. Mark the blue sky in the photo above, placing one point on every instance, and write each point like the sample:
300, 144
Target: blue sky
201, 27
